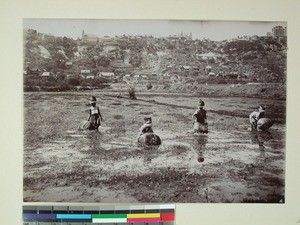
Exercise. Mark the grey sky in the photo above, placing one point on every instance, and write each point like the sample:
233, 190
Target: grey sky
214, 30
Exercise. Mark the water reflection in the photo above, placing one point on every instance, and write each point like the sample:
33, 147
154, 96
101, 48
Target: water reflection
199, 146
94, 142
150, 152
260, 138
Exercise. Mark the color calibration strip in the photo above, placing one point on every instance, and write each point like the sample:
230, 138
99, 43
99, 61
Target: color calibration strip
106, 218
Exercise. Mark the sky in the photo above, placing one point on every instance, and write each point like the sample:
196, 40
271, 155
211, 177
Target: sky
214, 30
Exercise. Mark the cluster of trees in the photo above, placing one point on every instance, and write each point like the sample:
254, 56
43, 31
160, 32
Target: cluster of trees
63, 83
268, 54
135, 60
61, 50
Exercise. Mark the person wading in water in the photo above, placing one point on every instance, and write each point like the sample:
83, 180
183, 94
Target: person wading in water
147, 126
255, 116
95, 115
199, 116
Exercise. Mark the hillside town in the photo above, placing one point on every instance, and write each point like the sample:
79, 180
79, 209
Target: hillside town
60, 63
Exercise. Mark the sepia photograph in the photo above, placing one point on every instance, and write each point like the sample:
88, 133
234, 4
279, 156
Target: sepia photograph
154, 111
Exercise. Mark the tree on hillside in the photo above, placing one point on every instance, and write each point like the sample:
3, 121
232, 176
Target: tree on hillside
31, 36
68, 45
149, 86
49, 65
277, 64
103, 61
74, 81
135, 60
100, 82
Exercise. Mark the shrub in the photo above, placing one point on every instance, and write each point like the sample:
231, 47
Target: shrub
149, 86
31, 88
74, 81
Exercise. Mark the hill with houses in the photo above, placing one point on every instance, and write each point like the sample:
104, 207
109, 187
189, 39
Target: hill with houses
146, 62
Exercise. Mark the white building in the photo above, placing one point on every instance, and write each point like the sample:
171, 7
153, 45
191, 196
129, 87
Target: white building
85, 72
106, 74
90, 77
45, 74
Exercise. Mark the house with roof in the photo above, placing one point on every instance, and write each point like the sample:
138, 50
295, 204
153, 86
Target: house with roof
85, 71
121, 66
90, 76
45, 74
186, 68
165, 77
106, 74
89, 38
82, 48
69, 64
47, 36
127, 77
137, 77
208, 69
279, 31
33, 71
144, 77
196, 68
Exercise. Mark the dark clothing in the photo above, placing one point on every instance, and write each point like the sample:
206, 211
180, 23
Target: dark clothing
95, 117
146, 128
200, 115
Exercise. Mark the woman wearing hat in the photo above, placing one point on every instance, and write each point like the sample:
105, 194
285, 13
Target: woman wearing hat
95, 115
146, 135
199, 116
147, 126
255, 116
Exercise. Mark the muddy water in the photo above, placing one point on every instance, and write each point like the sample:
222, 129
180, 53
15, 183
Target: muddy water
230, 167
235, 105
227, 165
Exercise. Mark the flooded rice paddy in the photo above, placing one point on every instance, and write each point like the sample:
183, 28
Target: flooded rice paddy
230, 164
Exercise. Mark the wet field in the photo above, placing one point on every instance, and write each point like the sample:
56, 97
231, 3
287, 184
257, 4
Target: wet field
230, 164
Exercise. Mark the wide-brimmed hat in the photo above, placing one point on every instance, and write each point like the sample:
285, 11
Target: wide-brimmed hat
261, 108
93, 100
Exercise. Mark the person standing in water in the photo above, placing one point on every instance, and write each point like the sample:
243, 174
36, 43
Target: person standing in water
147, 126
147, 135
199, 116
255, 116
95, 116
